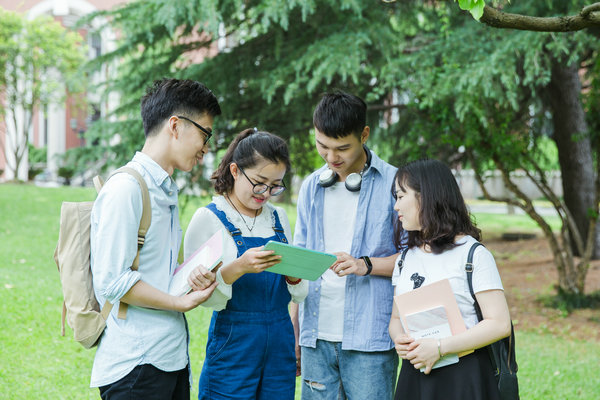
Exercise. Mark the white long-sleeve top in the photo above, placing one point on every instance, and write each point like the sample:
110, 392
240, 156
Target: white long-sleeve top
205, 223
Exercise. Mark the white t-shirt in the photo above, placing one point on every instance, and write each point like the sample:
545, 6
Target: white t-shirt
205, 223
339, 215
428, 268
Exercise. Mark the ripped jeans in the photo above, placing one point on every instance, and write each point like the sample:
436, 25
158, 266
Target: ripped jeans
330, 373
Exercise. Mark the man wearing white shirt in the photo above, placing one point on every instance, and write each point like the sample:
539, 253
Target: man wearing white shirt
145, 355
346, 207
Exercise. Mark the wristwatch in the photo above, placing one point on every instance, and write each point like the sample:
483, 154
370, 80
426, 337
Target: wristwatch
368, 263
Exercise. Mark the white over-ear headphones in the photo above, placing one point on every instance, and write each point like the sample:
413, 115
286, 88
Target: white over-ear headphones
353, 181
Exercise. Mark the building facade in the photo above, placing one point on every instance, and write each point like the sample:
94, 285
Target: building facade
60, 127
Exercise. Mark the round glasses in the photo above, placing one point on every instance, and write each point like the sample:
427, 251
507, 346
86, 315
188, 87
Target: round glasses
260, 188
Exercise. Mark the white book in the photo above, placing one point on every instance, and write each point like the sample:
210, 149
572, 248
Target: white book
209, 255
431, 323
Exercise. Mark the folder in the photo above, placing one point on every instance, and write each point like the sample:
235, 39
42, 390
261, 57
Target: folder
299, 262
209, 254
429, 297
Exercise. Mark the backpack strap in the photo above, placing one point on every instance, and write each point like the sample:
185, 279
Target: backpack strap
142, 230
401, 261
498, 361
469, 270
98, 183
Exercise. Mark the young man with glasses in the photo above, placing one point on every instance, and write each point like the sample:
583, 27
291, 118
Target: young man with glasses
346, 208
145, 354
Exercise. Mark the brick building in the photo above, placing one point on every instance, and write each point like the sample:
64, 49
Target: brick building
61, 126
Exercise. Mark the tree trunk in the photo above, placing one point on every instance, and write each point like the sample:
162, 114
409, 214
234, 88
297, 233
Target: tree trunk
574, 147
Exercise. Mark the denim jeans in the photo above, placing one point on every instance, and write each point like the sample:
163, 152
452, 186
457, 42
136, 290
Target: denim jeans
330, 373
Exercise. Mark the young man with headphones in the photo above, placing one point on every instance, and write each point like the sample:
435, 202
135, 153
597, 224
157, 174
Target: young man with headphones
346, 208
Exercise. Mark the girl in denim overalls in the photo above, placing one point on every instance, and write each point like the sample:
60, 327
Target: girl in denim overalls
250, 349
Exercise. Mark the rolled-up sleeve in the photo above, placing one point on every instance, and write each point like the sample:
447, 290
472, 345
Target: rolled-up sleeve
115, 222
298, 291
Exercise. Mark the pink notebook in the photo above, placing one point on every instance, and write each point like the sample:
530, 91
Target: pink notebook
428, 297
209, 255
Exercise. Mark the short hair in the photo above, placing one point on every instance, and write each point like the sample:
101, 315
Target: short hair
443, 214
340, 114
167, 97
246, 150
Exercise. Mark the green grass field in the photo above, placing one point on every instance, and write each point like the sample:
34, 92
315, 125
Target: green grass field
37, 363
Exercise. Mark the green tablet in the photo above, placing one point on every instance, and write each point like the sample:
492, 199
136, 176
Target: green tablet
299, 262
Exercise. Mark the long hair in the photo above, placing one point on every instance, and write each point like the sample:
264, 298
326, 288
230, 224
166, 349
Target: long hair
442, 211
246, 150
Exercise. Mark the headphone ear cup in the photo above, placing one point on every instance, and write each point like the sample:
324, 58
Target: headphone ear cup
327, 178
353, 182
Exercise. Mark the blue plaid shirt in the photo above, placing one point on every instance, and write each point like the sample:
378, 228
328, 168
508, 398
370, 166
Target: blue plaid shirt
368, 304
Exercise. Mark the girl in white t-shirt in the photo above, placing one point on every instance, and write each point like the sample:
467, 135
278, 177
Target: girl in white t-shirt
439, 234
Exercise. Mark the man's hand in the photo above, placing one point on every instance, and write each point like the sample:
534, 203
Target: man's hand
346, 265
196, 297
201, 278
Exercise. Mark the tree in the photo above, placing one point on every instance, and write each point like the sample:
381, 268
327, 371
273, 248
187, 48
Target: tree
37, 58
547, 66
577, 143
279, 58
588, 17
436, 82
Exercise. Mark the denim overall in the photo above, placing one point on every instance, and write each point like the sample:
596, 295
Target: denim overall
250, 350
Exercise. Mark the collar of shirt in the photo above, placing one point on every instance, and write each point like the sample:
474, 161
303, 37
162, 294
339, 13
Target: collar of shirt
157, 173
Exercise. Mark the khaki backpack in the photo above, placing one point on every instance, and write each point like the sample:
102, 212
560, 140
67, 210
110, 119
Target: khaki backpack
72, 256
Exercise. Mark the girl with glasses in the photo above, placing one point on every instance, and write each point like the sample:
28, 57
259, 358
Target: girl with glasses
250, 348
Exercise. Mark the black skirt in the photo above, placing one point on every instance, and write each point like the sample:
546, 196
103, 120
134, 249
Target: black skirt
471, 378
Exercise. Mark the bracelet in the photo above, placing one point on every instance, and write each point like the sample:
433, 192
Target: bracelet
368, 263
439, 343
290, 282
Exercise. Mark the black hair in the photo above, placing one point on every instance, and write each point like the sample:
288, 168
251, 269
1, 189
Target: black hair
246, 150
443, 214
167, 97
340, 114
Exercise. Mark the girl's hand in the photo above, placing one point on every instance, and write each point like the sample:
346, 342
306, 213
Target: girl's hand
401, 343
423, 353
346, 265
256, 260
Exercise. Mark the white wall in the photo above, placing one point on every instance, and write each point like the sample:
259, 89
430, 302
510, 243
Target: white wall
495, 186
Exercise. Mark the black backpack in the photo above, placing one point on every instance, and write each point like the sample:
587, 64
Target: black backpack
502, 352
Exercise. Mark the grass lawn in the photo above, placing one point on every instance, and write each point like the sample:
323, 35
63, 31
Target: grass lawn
37, 363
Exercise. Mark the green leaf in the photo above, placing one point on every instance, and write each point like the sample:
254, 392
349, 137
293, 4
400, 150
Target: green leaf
477, 9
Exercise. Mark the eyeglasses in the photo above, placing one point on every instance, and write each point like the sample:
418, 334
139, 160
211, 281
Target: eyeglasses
203, 129
260, 188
